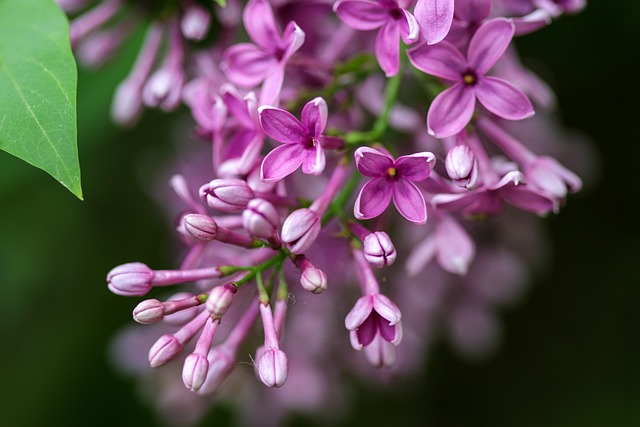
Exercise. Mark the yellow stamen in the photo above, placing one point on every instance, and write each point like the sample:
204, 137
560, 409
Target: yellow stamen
391, 172
468, 79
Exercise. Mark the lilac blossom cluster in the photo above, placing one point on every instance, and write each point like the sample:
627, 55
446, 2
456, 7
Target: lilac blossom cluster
317, 115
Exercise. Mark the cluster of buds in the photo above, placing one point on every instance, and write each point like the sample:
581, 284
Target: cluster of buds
291, 184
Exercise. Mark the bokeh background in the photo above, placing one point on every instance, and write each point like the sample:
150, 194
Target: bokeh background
570, 350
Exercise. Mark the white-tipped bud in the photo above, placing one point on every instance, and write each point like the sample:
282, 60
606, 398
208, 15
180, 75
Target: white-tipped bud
379, 249
194, 371
220, 299
461, 166
202, 227
164, 350
273, 367
260, 219
148, 312
226, 195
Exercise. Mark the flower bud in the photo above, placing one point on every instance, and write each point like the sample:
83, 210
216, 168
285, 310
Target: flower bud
461, 166
273, 368
195, 22
313, 280
165, 349
260, 219
220, 299
194, 371
126, 107
379, 249
300, 230
202, 227
148, 312
163, 88
221, 363
226, 195
132, 279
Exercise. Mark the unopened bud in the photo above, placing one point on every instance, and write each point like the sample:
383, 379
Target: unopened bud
220, 299
194, 371
148, 312
273, 368
226, 195
195, 22
165, 349
202, 227
379, 249
260, 219
132, 279
300, 230
461, 166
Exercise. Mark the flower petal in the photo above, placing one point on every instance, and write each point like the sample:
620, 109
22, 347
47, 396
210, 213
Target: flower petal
442, 60
281, 125
503, 99
360, 14
451, 111
456, 249
409, 28
434, 18
292, 39
314, 116
314, 161
388, 48
472, 11
380, 353
272, 85
386, 309
528, 199
415, 167
372, 163
409, 201
260, 24
281, 162
489, 43
246, 65
359, 313
367, 330
373, 199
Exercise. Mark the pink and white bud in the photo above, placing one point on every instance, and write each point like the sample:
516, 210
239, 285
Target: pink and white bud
226, 195
261, 219
132, 279
300, 230
148, 312
164, 88
379, 249
220, 299
273, 367
461, 166
194, 371
164, 350
195, 22
222, 359
312, 278
126, 107
202, 227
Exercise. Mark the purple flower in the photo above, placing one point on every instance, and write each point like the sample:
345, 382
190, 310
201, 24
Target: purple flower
392, 179
302, 142
393, 20
452, 109
248, 65
434, 18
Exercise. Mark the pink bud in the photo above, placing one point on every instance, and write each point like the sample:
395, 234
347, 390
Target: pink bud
195, 22
163, 88
461, 166
260, 219
220, 299
194, 371
148, 312
300, 230
221, 362
165, 349
379, 249
202, 227
273, 368
126, 107
132, 279
314, 280
226, 195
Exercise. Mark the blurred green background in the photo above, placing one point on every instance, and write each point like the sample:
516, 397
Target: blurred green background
570, 351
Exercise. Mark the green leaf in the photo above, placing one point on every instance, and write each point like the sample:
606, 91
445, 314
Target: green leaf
221, 3
38, 89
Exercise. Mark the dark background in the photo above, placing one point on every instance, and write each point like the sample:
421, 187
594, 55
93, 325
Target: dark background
570, 350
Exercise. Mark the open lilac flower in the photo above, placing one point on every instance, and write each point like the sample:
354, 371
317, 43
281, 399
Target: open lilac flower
303, 142
248, 65
392, 179
393, 20
452, 109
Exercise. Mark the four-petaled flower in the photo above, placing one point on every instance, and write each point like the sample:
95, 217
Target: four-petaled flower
393, 20
392, 179
452, 109
303, 142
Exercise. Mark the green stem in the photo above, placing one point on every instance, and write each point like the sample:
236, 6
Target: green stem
254, 271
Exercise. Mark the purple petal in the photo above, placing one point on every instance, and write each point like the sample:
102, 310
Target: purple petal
314, 161
293, 38
489, 43
380, 353
372, 163
281, 162
331, 142
472, 10
503, 99
270, 92
387, 331
442, 60
367, 331
236, 105
456, 249
260, 24
409, 201
282, 126
360, 14
314, 116
246, 64
526, 198
421, 255
415, 167
409, 29
451, 111
455, 202
388, 48
531, 22
359, 313
386, 309
434, 18
373, 199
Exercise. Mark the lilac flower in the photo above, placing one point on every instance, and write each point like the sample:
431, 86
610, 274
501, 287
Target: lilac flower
392, 179
434, 18
452, 109
248, 65
303, 142
371, 315
393, 20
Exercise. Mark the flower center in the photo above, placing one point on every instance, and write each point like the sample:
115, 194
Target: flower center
396, 14
392, 173
310, 143
469, 78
